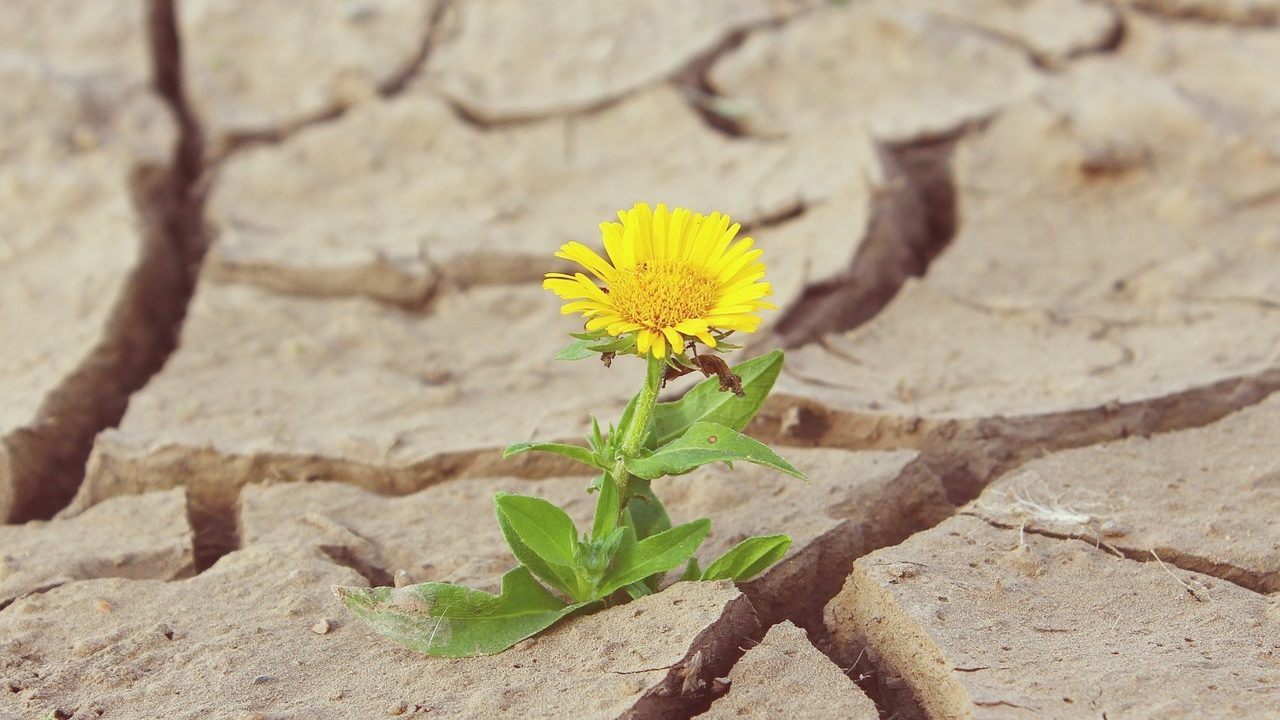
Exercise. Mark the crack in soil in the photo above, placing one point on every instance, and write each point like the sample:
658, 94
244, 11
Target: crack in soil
6, 602
213, 501
806, 611
912, 503
1109, 43
965, 454
46, 461
690, 687
695, 83
346, 557
1244, 578
970, 451
142, 331
694, 79
913, 221
1205, 13
691, 79
387, 89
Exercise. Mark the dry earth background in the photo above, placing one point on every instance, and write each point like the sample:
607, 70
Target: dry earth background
270, 307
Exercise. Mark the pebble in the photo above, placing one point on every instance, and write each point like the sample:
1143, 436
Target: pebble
398, 708
321, 627
262, 679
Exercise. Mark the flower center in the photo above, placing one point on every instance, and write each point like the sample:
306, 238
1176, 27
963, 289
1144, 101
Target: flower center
662, 293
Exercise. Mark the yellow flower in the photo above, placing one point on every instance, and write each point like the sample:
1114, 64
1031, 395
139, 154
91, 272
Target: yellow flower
670, 276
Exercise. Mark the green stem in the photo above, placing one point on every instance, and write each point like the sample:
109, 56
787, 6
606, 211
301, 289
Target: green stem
635, 432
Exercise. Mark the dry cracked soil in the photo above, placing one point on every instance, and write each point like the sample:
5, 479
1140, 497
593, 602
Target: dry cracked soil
269, 310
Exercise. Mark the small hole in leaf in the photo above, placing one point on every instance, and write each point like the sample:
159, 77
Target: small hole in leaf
711, 440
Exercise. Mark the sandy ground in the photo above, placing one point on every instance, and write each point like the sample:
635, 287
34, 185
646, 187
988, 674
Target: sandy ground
269, 309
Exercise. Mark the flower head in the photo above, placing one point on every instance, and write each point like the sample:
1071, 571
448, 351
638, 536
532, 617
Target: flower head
670, 276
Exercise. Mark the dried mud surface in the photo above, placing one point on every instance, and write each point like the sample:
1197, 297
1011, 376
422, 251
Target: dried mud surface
785, 676
263, 332
86, 272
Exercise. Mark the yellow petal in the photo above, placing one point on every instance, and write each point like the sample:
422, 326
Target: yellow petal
722, 309
581, 306
751, 292
661, 222
711, 228
718, 249
659, 346
621, 254
673, 337
732, 254
742, 323
602, 321
631, 237
692, 230
587, 258
675, 233
623, 326
642, 217
742, 261
590, 290
747, 275
698, 329
566, 289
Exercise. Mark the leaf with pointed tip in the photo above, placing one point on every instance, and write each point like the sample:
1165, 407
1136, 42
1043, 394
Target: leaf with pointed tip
542, 537
624, 422
573, 452
596, 439
585, 345
607, 509
706, 402
648, 516
638, 590
706, 442
691, 571
637, 560
577, 350
454, 621
624, 344
748, 558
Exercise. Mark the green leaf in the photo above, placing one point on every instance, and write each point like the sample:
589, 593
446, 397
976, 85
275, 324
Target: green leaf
454, 621
636, 561
692, 571
708, 403
648, 516
707, 442
748, 558
588, 344
624, 421
542, 537
596, 440
573, 452
624, 344
607, 509
610, 544
577, 350
638, 590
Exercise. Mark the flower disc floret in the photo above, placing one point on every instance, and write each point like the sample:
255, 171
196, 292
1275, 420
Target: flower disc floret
662, 293
670, 276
